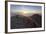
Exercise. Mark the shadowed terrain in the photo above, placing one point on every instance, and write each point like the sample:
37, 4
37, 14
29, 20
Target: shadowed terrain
19, 21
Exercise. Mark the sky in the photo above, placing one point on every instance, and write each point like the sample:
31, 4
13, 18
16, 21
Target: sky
25, 9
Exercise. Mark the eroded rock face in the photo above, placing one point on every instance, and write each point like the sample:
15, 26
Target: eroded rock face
33, 21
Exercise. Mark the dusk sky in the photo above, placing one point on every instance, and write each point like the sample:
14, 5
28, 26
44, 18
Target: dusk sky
25, 9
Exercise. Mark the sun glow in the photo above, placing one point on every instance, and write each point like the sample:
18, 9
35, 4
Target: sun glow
25, 12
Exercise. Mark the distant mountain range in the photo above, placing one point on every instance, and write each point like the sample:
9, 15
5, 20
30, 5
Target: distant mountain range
19, 21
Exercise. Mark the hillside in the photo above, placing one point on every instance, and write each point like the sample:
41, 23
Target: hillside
19, 21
